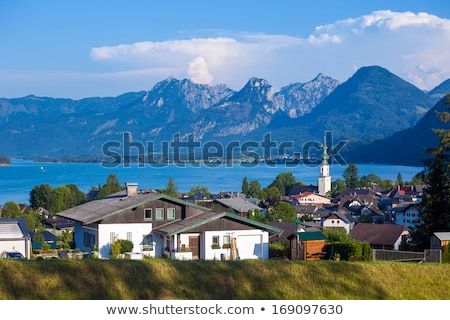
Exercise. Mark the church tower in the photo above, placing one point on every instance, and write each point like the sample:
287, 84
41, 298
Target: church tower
324, 181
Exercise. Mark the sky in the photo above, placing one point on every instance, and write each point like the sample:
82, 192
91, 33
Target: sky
88, 48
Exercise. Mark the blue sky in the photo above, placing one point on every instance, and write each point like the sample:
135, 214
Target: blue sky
86, 48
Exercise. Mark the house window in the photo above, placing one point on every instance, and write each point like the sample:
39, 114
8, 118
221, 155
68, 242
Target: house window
170, 213
148, 214
226, 241
215, 240
112, 237
147, 242
89, 240
129, 236
159, 213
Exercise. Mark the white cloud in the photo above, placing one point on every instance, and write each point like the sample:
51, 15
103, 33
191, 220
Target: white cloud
198, 71
413, 46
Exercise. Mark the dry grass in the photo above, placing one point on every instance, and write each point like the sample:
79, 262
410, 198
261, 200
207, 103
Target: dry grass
163, 279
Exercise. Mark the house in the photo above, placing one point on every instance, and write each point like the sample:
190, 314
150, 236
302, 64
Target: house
439, 240
237, 205
339, 219
14, 236
405, 213
311, 198
381, 236
58, 225
407, 193
160, 225
362, 206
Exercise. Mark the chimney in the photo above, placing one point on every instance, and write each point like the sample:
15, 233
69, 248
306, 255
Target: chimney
131, 188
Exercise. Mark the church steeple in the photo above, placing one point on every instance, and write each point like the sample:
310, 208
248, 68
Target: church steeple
324, 181
325, 155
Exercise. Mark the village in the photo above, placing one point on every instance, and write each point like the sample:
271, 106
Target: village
306, 223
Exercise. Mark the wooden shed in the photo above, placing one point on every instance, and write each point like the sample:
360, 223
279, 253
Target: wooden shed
439, 240
307, 245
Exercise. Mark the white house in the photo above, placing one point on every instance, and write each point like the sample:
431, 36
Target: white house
340, 220
14, 236
381, 236
159, 225
406, 214
311, 198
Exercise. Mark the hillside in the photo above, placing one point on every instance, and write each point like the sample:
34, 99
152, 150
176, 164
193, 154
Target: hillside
406, 147
163, 279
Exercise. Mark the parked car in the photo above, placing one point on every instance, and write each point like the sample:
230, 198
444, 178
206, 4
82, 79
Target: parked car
12, 255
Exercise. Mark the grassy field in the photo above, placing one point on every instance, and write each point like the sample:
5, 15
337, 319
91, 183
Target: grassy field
164, 279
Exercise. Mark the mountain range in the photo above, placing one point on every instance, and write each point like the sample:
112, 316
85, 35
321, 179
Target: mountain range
371, 106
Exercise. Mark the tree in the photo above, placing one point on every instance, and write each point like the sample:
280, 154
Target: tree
284, 182
434, 209
350, 176
272, 192
10, 210
112, 186
198, 188
337, 187
282, 211
43, 196
245, 186
399, 180
171, 188
255, 190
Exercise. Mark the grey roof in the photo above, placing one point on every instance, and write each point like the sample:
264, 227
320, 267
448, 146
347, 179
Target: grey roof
13, 228
442, 235
402, 206
378, 234
238, 204
184, 225
100, 209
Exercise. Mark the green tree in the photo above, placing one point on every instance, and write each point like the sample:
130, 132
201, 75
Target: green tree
245, 187
350, 176
75, 196
171, 188
272, 192
10, 210
386, 184
255, 189
43, 196
434, 209
284, 182
112, 186
417, 179
337, 187
198, 188
399, 180
282, 211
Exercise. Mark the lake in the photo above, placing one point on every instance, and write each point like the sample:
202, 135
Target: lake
17, 180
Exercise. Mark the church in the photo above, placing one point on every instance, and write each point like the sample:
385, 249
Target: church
324, 180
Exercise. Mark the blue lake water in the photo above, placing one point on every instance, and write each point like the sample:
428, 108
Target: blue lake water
17, 180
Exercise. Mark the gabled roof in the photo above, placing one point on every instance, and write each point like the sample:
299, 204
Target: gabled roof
403, 206
59, 223
48, 236
378, 234
347, 218
13, 228
184, 225
238, 204
443, 236
310, 235
116, 203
